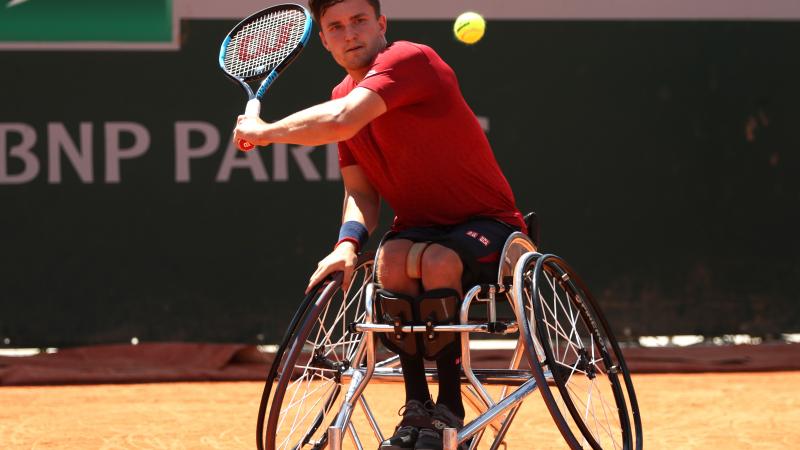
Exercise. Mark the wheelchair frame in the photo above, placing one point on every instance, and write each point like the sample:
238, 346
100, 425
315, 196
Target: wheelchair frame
558, 361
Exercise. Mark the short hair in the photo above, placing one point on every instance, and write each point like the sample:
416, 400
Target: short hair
318, 7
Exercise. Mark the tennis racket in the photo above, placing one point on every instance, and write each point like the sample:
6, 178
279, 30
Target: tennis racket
261, 47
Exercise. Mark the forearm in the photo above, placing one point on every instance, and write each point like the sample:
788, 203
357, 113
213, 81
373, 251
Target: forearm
313, 126
363, 208
361, 204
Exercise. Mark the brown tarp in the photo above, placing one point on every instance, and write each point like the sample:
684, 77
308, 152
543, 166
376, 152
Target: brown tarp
161, 362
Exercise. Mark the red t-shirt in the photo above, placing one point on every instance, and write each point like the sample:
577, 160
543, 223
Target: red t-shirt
427, 156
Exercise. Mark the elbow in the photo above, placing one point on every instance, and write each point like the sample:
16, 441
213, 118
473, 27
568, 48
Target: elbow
343, 127
345, 121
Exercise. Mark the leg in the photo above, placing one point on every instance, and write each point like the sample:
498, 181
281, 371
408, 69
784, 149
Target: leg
391, 273
442, 268
391, 268
392, 277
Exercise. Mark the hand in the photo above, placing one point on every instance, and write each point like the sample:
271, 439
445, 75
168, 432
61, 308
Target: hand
250, 129
342, 258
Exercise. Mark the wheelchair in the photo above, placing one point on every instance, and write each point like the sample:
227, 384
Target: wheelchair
563, 347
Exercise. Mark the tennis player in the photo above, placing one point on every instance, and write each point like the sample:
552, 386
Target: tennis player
407, 136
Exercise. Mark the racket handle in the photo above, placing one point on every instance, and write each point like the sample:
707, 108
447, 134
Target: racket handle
253, 109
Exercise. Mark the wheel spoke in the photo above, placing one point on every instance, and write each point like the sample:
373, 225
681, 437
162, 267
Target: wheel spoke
309, 386
582, 356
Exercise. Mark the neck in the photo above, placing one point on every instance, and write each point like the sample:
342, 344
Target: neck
358, 75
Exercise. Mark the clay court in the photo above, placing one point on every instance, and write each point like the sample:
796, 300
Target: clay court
150, 271
680, 411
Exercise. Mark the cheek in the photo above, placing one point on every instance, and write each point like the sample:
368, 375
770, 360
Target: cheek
329, 40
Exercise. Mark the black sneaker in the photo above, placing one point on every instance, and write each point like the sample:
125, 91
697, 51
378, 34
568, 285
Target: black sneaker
415, 416
431, 438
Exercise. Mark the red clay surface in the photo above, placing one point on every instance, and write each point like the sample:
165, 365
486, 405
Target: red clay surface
758, 410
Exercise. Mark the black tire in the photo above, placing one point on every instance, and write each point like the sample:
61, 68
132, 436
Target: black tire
297, 364
575, 357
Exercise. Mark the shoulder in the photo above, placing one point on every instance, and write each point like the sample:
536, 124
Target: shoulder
406, 52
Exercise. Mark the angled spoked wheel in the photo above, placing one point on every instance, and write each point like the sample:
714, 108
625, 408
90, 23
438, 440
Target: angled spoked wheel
580, 370
303, 392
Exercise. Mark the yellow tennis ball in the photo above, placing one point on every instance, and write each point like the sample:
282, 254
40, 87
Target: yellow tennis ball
469, 27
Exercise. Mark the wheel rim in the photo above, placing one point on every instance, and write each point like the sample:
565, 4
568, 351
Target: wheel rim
584, 381
308, 391
622, 385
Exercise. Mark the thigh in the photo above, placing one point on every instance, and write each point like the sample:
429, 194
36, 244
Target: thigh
479, 243
392, 256
391, 267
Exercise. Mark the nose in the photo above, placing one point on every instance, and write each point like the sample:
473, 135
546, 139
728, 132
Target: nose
350, 32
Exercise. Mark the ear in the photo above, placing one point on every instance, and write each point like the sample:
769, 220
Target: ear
324, 41
382, 24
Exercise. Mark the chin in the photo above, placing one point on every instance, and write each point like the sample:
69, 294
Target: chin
361, 62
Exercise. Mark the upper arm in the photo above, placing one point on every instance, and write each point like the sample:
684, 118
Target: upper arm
360, 107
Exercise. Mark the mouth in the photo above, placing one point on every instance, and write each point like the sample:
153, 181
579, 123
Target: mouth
354, 48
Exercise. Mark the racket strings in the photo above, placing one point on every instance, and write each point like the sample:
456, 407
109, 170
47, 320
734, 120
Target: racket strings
262, 44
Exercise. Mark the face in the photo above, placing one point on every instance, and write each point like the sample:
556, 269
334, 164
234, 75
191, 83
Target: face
352, 33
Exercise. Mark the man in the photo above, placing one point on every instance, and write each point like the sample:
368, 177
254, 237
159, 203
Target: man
405, 135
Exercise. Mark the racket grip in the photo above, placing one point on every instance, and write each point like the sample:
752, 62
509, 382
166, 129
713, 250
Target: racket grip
253, 109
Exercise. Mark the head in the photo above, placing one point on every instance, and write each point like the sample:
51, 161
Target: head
354, 31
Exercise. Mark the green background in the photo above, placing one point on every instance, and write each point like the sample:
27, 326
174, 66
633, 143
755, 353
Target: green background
630, 140
87, 21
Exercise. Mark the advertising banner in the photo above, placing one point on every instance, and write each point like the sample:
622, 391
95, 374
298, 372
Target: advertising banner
660, 155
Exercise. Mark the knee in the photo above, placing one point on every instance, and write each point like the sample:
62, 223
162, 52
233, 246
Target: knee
441, 268
392, 265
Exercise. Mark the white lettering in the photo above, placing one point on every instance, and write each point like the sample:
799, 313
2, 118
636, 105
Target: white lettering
302, 156
184, 152
114, 153
280, 162
21, 151
484, 121
236, 159
59, 139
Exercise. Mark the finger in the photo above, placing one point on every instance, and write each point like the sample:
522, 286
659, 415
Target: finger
318, 276
237, 135
312, 281
347, 276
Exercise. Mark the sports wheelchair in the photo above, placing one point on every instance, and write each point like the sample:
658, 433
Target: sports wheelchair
563, 347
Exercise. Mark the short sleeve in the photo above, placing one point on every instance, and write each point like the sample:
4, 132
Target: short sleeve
345, 156
402, 75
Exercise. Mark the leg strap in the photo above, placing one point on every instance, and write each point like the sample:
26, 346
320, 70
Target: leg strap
438, 307
414, 260
431, 308
397, 310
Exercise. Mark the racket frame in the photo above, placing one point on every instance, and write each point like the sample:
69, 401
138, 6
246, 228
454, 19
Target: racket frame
253, 108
